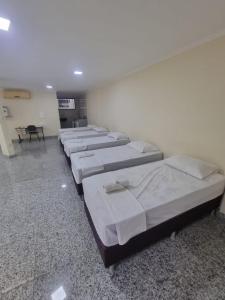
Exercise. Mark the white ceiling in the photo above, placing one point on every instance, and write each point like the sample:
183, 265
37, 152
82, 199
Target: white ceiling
107, 39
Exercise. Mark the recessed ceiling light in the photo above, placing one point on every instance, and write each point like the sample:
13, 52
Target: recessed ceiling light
77, 72
48, 86
4, 24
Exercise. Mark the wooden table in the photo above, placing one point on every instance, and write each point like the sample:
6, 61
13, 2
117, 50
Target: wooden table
22, 131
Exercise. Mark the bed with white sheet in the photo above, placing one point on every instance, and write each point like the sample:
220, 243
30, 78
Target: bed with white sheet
74, 146
158, 198
76, 129
82, 134
89, 163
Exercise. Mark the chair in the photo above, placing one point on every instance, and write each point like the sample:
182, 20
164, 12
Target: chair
21, 132
32, 130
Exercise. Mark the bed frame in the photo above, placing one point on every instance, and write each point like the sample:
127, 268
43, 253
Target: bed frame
68, 160
79, 187
112, 255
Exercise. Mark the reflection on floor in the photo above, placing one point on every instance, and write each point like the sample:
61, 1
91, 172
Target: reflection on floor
47, 250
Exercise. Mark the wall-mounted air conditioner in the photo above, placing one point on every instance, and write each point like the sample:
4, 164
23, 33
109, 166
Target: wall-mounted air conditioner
16, 94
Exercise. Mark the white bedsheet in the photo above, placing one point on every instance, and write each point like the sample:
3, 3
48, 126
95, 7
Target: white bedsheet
109, 159
83, 134
92, 144
93, 166
76, 129
128, 214
162, 191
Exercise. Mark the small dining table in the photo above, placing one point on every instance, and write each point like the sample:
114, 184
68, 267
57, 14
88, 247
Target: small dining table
22, 132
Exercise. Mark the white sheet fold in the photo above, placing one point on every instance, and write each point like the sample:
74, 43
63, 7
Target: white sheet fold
81, 147
93, 165
127, 214
83, 155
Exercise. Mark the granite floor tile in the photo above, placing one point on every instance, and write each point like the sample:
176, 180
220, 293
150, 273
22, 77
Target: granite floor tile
6, 191
46, 243
54, 252
13, 228
77, 283
17, 260
22, 292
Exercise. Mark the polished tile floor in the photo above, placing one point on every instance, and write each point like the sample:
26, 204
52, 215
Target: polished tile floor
47, 250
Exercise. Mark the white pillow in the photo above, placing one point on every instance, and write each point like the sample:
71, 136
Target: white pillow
99, 129
191, 166
118, 135
143, 147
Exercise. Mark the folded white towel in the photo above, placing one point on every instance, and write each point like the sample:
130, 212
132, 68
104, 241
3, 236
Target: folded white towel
123, 181
119, 184
83, 155
113, 187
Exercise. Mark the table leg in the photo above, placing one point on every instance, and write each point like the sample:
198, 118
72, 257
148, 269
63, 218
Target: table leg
20, 140
43, 136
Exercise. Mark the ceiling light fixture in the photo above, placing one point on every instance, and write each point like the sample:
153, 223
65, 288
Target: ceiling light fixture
4, 24
48, 86
77, 72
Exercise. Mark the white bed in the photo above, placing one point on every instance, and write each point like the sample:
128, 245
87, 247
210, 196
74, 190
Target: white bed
82, 134
161, 191
88, 163
75, 129
74, 146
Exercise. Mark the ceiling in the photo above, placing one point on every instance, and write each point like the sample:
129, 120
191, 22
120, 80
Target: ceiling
107, 39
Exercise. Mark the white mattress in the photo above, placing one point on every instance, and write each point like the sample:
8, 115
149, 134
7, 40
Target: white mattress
92, 144
168, 192
83, 134
109, 159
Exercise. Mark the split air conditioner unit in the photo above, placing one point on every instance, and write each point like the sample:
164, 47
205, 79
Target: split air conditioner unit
16, 94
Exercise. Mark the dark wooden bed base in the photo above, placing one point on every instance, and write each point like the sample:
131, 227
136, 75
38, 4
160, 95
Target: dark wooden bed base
68, 160
79, 187
112, 255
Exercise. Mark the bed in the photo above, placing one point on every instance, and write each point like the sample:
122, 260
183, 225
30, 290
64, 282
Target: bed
168, 199
75, 129
93, 143
82, 134
89, 163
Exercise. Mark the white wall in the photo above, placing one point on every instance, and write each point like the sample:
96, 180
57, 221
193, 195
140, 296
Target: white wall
6, 145
178, 104
41, 109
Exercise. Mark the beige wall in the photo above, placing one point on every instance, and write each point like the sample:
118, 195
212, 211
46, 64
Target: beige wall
41, 109
179, 104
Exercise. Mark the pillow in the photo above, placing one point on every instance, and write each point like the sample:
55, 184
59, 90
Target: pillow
191, 166
99, 129
143, 147
118, 135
